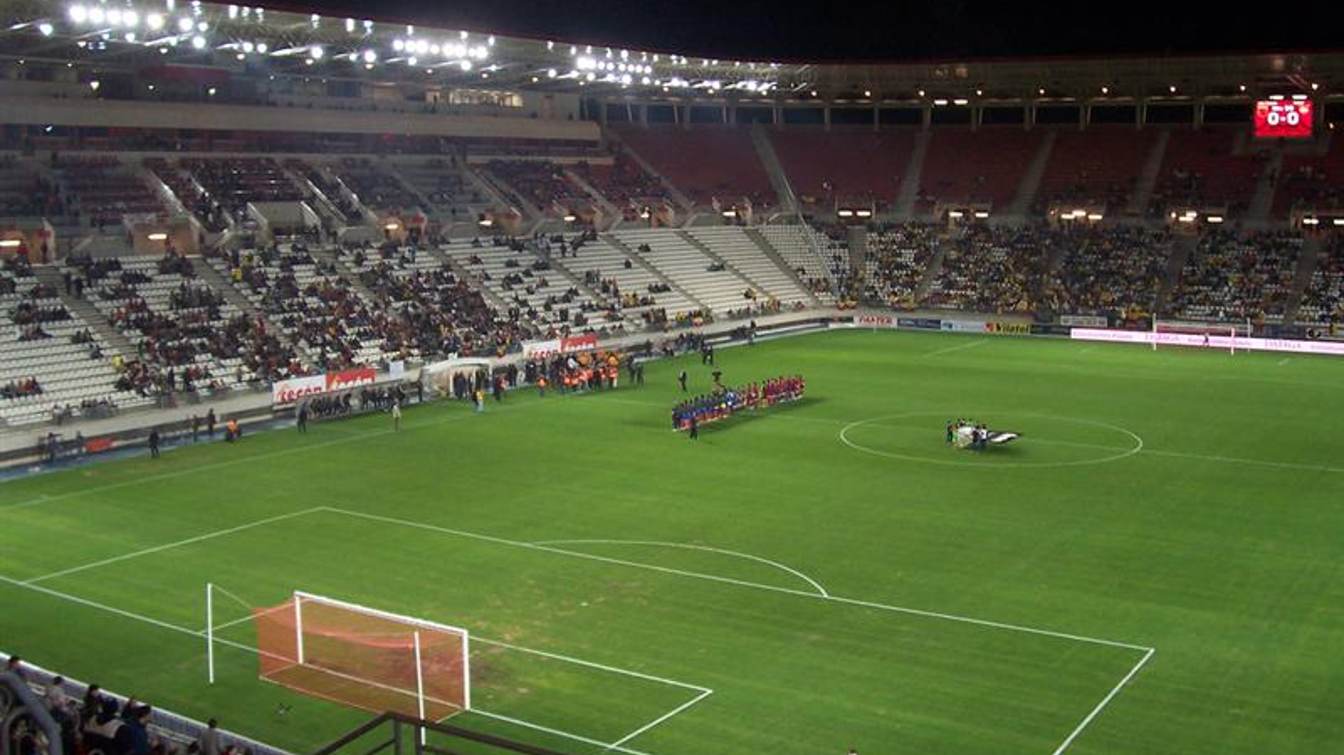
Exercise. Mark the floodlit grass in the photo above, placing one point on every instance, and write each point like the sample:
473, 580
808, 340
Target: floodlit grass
1185, 501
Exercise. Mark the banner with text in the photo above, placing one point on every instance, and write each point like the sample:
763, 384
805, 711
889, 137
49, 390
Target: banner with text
964, 326
1196, 340
285, 392
347, 379
1083, 321
1008, 328
874, 321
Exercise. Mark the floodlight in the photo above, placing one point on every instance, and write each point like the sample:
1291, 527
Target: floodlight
154, 21
184, 24
198, 42
46, 29
79, 14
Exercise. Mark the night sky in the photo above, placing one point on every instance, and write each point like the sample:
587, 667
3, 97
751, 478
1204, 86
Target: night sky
854, 31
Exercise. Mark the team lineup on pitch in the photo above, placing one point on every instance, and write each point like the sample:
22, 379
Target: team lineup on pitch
989, 600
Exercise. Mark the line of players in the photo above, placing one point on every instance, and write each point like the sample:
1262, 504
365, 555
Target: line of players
723, 402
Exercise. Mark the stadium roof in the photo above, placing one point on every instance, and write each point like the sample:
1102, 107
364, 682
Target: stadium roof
253, 41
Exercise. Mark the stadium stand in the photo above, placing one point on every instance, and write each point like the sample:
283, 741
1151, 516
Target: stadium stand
1099, 166
897, 257
705, 279
977, 167
443, 182
175, 321
539, 297
607, 266
1212, 168
25, 193
705, 164
539, 183
51, 365
992, 269
625, 184
1323, 299
849, 164
735, 247
1107, 270
373, 186
1235, 276
102, 190
809, 256
423, 310
1311, 182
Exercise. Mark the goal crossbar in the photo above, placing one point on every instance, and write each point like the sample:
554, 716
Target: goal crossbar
365, 657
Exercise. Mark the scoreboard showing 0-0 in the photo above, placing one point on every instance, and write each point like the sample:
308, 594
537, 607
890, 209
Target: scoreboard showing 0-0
1283, 119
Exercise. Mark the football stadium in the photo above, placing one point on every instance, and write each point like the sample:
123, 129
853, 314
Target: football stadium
384, 385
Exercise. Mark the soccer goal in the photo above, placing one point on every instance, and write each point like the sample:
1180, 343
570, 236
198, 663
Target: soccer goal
363, 657
1228, 336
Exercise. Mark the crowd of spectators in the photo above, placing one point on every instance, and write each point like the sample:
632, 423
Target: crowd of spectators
1323, 300
1231, 275
1107, 270
898, 256
992, 269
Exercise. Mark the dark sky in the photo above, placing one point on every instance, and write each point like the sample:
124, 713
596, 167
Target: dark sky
825, 30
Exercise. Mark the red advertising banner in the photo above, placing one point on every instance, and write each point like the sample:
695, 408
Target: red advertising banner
347, 379
98, 445
290, 391
874, 321
578, 343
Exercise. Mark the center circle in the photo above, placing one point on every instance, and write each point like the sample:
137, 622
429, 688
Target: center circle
852, 435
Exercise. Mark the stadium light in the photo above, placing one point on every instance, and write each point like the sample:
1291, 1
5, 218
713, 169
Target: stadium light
979, 92
1094, 216
845, 213
1311, 221
1105, 90
1214, 219
95, 84
864, 213
1242, 87
316, 52
78, 13
570, 217
961, 101
867, 93
158, 236
154, 21
981, 214
921, 93
370, 56
550, 73
956, 214
1339, 221
184, 25
1172, 89
198, 42
10, 243
940, 102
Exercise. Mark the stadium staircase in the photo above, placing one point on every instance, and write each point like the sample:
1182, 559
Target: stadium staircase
327, 255
682, 201
390, 168
931, 272
472, 279
1313, 246
1263, 199
773, 255
1181, 249
608, 209
511, 196
739, 254
84, 310
332, 218
1147, 181
779, 180
638, 259
1031, 179
908, 192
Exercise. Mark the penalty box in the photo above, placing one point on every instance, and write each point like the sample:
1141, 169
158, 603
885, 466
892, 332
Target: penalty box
806, 647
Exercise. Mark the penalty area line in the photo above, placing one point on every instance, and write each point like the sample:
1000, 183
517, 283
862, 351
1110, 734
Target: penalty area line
1104, 702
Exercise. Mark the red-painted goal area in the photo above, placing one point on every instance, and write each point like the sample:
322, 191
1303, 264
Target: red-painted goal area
362, 658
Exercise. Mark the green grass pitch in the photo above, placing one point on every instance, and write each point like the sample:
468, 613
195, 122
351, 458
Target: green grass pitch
1154, 568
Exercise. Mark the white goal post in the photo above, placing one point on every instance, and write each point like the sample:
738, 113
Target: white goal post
1219, 335
360, 656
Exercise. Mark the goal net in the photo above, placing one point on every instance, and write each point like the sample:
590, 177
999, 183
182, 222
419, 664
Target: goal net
364, 657
1227, 336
